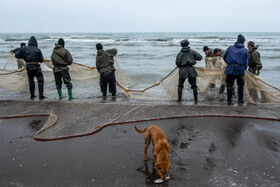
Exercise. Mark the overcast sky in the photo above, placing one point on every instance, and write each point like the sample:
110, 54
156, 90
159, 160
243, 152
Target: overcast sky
139, 16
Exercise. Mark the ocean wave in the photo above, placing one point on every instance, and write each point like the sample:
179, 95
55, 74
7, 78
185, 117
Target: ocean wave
16, 39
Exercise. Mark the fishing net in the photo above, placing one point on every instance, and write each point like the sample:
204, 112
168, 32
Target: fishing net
15, 79
210, 82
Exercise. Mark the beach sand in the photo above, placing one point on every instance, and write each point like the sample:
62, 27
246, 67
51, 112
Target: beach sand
204, 151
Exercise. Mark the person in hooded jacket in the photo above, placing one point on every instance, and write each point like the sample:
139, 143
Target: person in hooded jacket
237, 59
255, 64
105, 66
20, 62
185, 60
33, 56
61, 58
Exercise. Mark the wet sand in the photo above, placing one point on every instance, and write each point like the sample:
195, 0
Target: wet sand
203, 151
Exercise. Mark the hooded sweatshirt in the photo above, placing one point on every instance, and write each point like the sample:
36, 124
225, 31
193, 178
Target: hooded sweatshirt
237, 59
185, 60
30, 53
61, 58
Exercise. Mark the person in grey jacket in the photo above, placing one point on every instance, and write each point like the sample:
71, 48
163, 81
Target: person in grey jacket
185, 60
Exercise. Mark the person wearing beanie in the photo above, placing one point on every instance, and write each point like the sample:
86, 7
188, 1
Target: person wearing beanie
105, 66
255, 64
237, 59
185, 60
20, 62
32, 55
61, 59
208, 52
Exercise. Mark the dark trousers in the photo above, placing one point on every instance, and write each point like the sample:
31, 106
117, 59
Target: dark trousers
192, 81
105, 79
240, 82
65, 76
34, 70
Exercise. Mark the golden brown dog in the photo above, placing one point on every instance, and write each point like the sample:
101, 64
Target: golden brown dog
160, 149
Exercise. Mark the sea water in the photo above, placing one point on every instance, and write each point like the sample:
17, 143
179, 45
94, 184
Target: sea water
146, 57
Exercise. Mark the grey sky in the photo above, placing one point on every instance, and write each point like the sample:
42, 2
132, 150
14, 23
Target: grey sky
139, 16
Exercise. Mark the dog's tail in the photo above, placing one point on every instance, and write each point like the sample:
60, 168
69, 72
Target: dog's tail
140, 130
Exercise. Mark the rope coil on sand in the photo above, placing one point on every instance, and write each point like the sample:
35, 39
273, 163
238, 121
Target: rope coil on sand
99, 127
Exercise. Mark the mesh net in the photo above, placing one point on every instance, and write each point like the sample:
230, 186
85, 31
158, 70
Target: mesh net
210, 82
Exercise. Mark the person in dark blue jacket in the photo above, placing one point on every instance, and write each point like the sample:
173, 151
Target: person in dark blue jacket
33, 56
237, 59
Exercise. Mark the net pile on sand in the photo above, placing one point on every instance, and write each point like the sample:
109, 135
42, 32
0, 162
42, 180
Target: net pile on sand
210, 81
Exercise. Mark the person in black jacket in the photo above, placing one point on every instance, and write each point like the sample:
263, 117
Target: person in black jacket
33, 56
185, 60
20, 62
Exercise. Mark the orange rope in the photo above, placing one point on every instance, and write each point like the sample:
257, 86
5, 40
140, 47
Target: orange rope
101, 126
154, 84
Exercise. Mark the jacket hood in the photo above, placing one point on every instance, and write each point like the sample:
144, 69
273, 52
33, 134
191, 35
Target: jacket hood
100, 52
186, 49
239, 44
33, 42
57, 46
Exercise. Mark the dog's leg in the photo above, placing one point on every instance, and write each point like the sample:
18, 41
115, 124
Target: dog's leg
147, 143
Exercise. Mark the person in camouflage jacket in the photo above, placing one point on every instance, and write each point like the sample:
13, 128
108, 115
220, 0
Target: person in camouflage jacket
61, 58
105, 66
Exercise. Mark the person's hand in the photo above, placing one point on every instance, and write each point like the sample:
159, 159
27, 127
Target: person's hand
11, 51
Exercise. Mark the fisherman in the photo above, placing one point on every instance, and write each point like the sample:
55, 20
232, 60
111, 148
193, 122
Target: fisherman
255, 64
20, 62
208, 52
237, 59
105, 66
33, 56
185, 60
218, 52
61, 58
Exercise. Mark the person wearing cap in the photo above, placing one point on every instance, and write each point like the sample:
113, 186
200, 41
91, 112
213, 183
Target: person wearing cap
255, 64
32, 55
208, 52
61, 59
20, 62
237, 59
185, 60
105, 66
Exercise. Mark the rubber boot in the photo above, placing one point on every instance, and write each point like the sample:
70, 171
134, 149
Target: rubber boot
41, 91
229, 95
222, 89
240, 95
59, 93
70, 94
32, 90
195, 95
180, 90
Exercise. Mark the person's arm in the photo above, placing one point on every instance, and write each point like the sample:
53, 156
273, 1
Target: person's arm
19, 54
112, 52
247, 60
197, 56
41, 58
15, 50
257, 59
178, 61
68, 57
